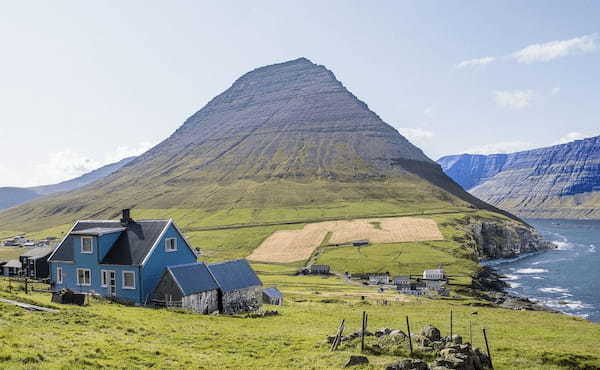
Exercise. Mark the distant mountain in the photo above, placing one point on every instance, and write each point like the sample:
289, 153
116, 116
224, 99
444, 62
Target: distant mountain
288, 135
12, 196
561, 181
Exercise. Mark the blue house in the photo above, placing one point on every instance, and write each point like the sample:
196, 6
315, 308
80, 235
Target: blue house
122, 259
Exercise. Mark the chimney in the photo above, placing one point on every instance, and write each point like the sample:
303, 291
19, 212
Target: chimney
126, 220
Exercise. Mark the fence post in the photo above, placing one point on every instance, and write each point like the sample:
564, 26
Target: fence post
451, 324
362, 332
409, 336
487, 347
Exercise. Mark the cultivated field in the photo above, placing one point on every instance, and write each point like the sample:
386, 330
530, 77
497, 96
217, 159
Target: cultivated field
298, 245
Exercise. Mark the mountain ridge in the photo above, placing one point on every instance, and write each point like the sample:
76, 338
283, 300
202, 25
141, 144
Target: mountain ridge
286, 135
560, 181
11, 196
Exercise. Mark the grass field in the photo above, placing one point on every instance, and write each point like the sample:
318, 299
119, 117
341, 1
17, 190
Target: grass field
9, 253
114, 336
299, 245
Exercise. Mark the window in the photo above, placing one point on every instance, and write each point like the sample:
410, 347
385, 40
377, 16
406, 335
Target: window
84, 277
104, 278
171, 244
128, 280
59, 275
86, 245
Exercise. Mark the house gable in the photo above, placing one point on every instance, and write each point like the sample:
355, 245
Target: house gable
159, 257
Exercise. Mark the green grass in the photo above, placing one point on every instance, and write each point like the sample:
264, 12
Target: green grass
115, 336
9, 253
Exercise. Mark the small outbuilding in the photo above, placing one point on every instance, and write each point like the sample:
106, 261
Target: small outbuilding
239, 286
272, 296
35, 262
189, 286
227, 287
12, 268
319, 269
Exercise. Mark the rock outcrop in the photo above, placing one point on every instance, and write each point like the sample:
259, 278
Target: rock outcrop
506, 240
561, 181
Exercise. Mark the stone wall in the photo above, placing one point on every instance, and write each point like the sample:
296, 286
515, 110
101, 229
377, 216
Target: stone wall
243, 300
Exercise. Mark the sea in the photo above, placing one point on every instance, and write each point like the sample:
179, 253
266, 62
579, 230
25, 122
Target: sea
567, 278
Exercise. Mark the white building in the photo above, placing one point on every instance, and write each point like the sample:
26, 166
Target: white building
436, 274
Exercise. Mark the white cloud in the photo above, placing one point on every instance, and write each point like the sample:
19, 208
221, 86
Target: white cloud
556, 49
62, 166
475, 62
65, 165
128, 151
501, 148
542, 52
416, 134
572, 136
515, 99
555, 91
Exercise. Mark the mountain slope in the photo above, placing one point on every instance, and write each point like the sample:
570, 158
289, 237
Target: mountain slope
289, 135
12, 196
561, 181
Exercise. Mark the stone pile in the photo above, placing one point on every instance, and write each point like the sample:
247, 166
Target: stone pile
384, 332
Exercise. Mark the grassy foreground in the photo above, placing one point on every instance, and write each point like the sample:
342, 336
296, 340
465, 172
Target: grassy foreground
114, 336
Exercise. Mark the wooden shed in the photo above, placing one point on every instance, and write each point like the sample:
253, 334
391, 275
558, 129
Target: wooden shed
189, 286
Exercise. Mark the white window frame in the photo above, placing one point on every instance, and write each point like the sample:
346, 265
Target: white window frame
123, 280
90, 275
91, 239
59, 275
167, 240
104, 278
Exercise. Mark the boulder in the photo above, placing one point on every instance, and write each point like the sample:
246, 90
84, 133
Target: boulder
357, 360
407, 365
456, 339
397, 333
431, 332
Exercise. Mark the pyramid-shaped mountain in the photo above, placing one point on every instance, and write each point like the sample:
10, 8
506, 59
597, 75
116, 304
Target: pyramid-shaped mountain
286, 135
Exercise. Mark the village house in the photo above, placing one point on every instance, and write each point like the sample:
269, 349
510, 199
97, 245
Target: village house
379, 278
35, 263
120, 260
401, 282
434, 279
12, 268
227, 287
272, 296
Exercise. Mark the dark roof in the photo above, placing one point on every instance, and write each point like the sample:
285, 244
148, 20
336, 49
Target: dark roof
132, 246
273, 292
233, 275
38, 252
193, 278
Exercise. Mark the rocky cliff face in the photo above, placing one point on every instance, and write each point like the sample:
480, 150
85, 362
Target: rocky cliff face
561, 181
505, 240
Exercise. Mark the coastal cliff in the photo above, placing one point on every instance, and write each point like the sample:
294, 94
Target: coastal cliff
561, 181
505, 240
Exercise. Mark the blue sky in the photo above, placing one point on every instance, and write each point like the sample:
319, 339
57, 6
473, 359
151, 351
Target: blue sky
86, 83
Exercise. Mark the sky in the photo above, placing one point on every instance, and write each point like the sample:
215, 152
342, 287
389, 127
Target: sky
83, 84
